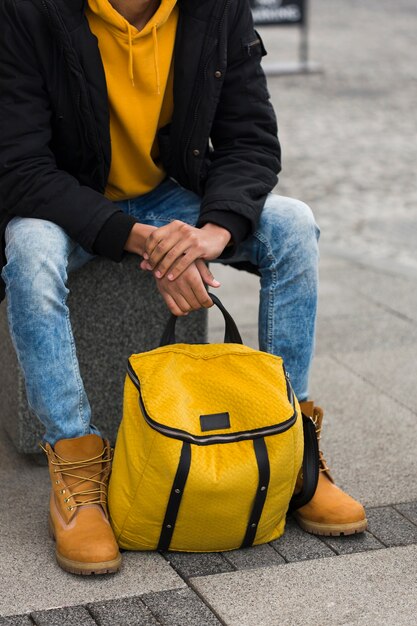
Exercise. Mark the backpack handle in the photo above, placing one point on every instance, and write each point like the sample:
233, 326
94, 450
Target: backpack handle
231, 333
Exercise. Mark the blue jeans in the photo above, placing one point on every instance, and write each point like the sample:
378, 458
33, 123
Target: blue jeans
40, 255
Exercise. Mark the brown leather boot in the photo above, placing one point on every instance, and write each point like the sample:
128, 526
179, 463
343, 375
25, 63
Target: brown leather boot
331, 511
78, 519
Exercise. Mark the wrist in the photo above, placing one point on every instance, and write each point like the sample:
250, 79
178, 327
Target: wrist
138, 235
219, 232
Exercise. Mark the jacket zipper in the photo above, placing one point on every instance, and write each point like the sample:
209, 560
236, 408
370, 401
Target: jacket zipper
176, 433
197, 98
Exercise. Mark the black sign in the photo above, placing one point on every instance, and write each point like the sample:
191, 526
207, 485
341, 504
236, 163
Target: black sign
278, 11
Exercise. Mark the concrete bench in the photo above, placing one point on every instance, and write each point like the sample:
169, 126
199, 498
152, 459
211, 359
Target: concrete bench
116, 311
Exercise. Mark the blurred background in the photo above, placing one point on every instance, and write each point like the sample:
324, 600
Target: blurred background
349, 134
349, 142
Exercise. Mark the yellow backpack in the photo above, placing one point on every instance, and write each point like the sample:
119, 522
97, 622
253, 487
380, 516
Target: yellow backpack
209, 447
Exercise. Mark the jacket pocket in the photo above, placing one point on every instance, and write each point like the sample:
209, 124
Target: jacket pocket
253, 50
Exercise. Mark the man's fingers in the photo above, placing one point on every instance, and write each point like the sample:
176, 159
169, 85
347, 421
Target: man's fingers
144, 265
183, 302
199, 290
178, 258
172, 252
162, 248
186, 294
181, 265
203, 297
161, 239
171, 259
206, 274
172, 305
183, 297
156, 236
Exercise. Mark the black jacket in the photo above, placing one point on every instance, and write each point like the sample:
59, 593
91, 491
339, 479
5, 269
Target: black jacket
54, 120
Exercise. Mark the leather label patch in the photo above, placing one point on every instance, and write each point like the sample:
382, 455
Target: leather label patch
214, 421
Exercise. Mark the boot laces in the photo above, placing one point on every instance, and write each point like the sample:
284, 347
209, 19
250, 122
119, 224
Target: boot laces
98, 495
323, 467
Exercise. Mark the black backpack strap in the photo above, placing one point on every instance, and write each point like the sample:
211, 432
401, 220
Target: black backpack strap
231, 334
311, 466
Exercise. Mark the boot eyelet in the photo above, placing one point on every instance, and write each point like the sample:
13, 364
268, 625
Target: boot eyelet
57, 482
69, 508
65, 499
62, 491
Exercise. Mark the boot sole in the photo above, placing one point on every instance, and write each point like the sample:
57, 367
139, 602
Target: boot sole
82, 568
332, 530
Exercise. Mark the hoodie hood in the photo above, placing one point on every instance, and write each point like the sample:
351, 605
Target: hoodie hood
121, 28
139, 71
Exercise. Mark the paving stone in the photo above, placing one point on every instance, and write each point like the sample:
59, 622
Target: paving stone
409, 510
126, 611
198, 564
28, 566
367, 437
180, 608
337, 299
16, 620
393, 372
363, 333
353, 543
377, 287
377, 588
390, 527
256, 556
70, 616
297, 545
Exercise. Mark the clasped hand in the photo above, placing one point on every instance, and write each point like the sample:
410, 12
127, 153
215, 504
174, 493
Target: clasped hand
170, 249
176, 254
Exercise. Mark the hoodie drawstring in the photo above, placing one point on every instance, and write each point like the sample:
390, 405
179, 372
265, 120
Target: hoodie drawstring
129, 34
156, 58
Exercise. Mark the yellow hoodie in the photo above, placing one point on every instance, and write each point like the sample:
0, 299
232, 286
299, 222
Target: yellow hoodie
139, 75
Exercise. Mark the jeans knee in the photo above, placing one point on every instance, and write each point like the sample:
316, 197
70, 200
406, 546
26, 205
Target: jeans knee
36, 255
289, 222
304, 219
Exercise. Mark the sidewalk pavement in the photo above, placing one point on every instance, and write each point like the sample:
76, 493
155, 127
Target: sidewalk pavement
364, 375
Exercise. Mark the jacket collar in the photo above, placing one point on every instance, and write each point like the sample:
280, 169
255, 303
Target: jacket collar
70, 12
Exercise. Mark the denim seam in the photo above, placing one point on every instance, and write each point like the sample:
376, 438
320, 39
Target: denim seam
13, 335
271, 297
75, 366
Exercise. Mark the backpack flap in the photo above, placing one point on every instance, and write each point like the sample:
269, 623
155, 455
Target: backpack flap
212, 393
